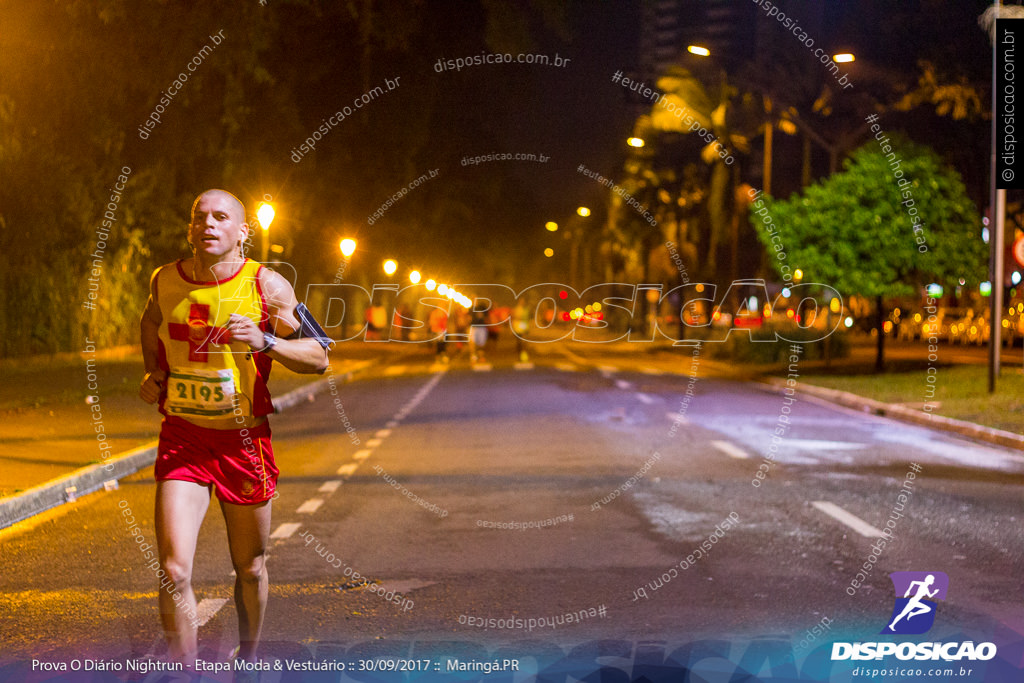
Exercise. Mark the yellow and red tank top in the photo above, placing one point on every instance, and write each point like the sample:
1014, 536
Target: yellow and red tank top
211, 381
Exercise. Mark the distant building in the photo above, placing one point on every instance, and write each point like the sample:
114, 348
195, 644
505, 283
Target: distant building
732, 30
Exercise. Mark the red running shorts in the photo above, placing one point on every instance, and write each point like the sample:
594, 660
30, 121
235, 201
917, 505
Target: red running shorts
238, 463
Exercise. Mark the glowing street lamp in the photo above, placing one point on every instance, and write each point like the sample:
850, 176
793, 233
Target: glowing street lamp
549, 252
551, 226
583, 211
698, 50
414, 277
265, 216
843, 58
390, 267
635, 142
348, 247
430, 284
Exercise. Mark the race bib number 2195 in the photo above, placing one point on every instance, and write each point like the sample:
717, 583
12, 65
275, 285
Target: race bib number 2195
204, 393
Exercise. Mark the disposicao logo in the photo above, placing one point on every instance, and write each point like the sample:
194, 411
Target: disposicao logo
913, 613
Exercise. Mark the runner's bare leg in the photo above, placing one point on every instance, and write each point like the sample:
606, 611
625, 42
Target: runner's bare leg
248, 533
180, 508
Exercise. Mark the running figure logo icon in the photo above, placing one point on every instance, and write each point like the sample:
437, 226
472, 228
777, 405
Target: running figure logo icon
914, 612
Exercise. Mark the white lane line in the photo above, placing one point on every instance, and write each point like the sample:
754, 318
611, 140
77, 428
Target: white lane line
676, 417
285, 530
817, 445
391, 424
383, 433
329, 486
623, 384
856, 523
310, 506
373, 443
730, 450
207, 607
565, 367
394, 370
411, 405
348, 469
645, 398
362, 455
523, 365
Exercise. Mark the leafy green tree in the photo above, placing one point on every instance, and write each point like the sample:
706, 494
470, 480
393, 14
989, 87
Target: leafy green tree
855, 230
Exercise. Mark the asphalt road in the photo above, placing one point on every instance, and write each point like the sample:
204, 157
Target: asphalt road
617, 477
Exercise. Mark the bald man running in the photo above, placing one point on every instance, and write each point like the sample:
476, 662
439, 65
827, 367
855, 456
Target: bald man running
212, 326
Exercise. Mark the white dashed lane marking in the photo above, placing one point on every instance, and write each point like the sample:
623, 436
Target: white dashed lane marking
623, 384
854, 522
730, 450
645, 398
310, 506
285, 530
348, 469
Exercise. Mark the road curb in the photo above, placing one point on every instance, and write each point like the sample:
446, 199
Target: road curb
92, 478
898, 412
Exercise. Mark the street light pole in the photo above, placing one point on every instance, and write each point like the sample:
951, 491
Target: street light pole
997, 204
348, 248
265, 216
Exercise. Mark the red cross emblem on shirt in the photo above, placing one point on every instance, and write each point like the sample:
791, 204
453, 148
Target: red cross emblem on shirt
198, 332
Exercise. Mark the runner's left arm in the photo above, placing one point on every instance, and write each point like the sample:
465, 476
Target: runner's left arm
294, 348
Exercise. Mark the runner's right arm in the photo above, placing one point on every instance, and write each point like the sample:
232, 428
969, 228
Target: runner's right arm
152, 383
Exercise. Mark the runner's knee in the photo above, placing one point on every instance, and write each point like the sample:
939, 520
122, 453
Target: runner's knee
177, 571
251, 570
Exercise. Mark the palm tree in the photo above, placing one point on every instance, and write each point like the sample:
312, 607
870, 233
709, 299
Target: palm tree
687, 102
